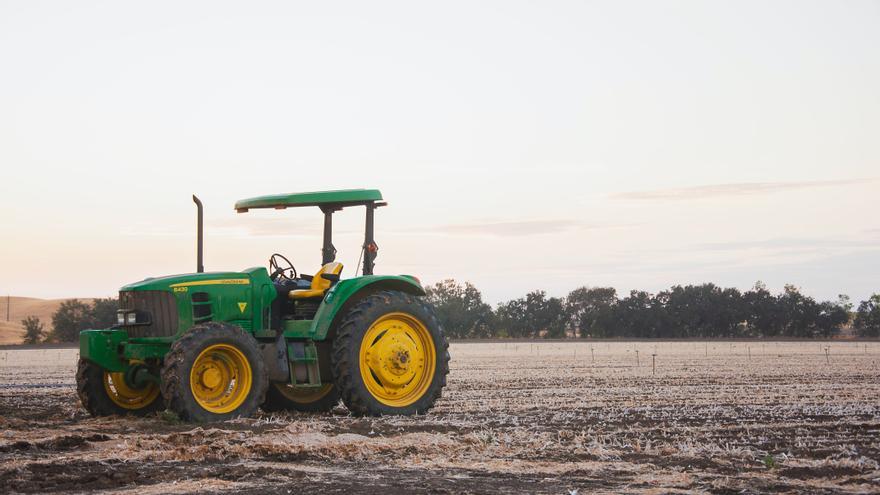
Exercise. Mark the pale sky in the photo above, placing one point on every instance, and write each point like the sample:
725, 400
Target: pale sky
520, 145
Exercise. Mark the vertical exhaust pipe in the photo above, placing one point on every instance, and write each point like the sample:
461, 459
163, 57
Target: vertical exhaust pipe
200, 267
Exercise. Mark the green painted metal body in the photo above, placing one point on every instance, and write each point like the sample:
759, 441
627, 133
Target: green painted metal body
103, 347
240, 298
349, 197
235, 297
340, 294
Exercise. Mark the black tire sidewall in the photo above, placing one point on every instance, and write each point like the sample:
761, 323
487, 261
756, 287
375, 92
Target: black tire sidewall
363, 315
180, 359
94, 397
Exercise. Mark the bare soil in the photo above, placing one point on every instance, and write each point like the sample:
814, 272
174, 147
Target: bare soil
515, 418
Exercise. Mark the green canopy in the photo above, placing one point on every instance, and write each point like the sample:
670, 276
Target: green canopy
333, 199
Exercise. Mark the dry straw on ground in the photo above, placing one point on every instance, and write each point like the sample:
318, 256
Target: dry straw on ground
518, 417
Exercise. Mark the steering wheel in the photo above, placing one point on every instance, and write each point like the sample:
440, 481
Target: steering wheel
279, 270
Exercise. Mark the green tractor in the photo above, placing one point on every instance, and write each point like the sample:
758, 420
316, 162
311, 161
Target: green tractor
218, 345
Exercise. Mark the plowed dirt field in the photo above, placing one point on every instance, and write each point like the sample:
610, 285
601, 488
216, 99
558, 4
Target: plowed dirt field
717, 417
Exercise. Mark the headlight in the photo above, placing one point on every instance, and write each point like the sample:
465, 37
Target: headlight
131, 318
120, 318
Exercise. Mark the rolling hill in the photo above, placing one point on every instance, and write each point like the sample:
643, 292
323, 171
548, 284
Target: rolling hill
11, 332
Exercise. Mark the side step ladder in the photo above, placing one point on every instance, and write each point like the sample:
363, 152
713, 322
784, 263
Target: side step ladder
303, 357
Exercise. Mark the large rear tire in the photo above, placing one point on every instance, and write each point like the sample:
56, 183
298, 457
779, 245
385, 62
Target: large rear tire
103, 393
390, 356
214, 372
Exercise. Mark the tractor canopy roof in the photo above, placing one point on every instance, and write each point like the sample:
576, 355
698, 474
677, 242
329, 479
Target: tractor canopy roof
324, 199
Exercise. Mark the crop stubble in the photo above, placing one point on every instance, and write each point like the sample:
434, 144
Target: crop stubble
516, 417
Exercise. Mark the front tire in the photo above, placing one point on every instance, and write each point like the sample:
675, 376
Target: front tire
214, 372
390, 356
103, 393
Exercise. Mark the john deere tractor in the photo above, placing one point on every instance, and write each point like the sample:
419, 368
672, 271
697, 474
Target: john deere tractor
212, 346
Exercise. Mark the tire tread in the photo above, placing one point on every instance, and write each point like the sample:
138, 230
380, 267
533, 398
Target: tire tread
347, 337
174, 371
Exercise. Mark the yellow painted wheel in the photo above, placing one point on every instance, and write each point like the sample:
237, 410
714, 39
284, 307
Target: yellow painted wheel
127, 397
220, 378
214, 372
397, 359
389, 355
105, 393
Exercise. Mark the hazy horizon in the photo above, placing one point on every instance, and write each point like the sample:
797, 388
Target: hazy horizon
520, 146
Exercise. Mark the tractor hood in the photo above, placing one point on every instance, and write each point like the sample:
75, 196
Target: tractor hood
171, 282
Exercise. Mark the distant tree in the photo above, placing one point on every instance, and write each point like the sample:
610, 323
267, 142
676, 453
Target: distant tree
71, 317
844, 302
511, 319
104, 312
460, 309
731, 314
33, 330
534, 315
635, 316
74, 316
698, 311
670, 313
691, 311
801, 313
832, 316
588, 311
763, 313
549, 315
867, 322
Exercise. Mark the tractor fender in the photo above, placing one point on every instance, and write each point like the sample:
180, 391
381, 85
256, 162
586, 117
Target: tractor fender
347, 292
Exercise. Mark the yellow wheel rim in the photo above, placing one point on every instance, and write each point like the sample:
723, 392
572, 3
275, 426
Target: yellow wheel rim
127, 397
397, 359
302, 395
220, 378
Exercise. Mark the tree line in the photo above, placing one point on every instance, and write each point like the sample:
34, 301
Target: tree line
690, 311
70, 318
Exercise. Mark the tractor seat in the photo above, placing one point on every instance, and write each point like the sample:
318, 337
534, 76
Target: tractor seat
319, 283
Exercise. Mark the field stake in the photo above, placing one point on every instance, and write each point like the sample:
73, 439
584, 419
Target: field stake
827, 357
750, 353
653, 364
637, 357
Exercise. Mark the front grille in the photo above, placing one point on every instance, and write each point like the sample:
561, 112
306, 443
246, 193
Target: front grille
162, 308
